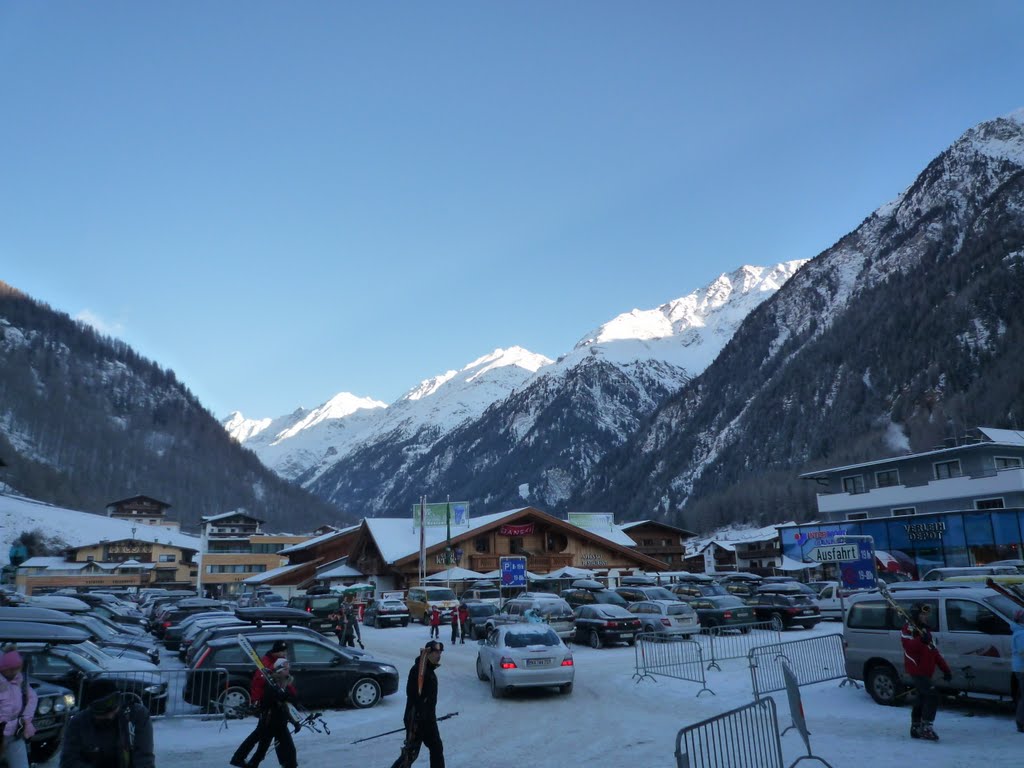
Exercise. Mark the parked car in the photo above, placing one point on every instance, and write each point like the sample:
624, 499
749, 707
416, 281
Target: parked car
970, 625
939, 574
208, 634
833, 599
524, 656
386, 613
553, 611
601, 624
697, 589
476, 620
580, 596
78, 668
633, 594
119, 644
787, 608
720, 610
667, 618
483, 591
320, 607
421, 600
328, 675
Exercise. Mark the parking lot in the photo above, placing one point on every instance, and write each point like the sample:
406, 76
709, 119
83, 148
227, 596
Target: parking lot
607, 720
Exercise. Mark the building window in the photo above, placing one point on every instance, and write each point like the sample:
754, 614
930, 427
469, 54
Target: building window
482, 544
989, 504
857, 516
515, 545
947, 469
853, 484
904, 511
1008, 462
167, 558
646, 542
887, 478
89, 558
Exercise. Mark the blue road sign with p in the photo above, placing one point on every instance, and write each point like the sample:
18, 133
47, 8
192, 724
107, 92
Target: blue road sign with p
513, 571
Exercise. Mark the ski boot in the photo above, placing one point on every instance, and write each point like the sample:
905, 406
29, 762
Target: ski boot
927, 733
915, 730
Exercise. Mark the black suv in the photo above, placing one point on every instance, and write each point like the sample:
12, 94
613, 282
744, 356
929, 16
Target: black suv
637, 594
326, 675
581, 596
786, 607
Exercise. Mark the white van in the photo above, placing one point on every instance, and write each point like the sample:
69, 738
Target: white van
970, 626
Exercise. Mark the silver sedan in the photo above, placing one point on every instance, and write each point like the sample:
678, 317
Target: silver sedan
524, 656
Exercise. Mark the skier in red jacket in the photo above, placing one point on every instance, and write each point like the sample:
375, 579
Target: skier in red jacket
920, 657
435, 623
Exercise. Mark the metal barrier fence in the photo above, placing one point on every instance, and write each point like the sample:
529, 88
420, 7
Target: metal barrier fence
675, 657
736, 640
746, 737
812, 660
170, 692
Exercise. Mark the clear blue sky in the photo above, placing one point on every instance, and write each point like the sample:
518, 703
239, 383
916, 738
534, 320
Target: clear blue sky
282, 201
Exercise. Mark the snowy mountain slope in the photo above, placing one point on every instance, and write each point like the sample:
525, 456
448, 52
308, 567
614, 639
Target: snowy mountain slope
612, 379
19, 514
908, 324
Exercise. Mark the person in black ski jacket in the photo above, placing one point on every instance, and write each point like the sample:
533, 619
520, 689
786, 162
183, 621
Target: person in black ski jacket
275, 719
279, 650
114, 731
421, 709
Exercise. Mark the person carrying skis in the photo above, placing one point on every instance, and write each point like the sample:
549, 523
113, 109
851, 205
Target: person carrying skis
421, 709
920, 657
114, 731
257, 689
463, 622
275, 718
455, 625
351, 617
435, 623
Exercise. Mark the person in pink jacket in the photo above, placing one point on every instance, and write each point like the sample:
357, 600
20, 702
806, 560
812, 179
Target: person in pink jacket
17, 706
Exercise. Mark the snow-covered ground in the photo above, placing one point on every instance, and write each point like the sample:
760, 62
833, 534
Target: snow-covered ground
608, 720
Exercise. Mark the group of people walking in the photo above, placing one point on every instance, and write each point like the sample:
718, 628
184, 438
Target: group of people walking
459, 621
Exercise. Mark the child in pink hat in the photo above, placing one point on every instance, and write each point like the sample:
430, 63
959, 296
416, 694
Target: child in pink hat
17, 706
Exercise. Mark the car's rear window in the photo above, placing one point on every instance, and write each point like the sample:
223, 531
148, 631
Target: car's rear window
555, 609
524, 639
324, 603
682, 609
482, 609
488, 594
440, 594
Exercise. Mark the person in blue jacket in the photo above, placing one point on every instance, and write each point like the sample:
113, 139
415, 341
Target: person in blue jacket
1017, 649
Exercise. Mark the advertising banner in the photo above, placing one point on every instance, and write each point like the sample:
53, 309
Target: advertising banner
436, 514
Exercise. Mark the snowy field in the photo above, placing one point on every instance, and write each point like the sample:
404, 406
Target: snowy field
608, 720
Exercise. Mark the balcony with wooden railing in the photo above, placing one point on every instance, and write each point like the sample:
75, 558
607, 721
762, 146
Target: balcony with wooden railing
485, 562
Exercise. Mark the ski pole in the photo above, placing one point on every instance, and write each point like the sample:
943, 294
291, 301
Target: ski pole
401, 730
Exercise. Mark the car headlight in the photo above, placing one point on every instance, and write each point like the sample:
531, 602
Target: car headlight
67, 702
388, 670
45, 706
159, 688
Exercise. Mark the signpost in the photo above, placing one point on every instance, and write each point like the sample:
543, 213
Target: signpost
834, 553
513, 571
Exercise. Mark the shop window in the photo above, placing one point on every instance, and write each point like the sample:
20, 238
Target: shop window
989, 504
853, 484
887, 478
857, 516
167, 558
556, 542
947, 469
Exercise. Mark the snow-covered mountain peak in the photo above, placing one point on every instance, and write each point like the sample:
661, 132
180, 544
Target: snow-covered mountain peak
515, 357
243, 429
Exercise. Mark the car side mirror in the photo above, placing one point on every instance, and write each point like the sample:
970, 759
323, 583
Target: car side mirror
336, 660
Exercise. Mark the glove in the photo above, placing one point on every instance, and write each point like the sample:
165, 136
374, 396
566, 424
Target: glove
947, 676
297, 727
361, 646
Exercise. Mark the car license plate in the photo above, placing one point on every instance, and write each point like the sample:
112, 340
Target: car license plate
808, 611
537, 662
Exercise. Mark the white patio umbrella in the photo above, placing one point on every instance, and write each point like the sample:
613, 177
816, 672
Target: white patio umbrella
569, 572
455, 574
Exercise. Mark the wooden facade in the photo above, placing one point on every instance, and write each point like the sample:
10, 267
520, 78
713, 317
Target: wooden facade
661, 541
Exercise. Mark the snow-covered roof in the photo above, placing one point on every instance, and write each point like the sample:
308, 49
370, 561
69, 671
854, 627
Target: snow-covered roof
728, 538
42, 562
232, 513
259, 578
75, 528
317, 540
396, 538
342, 571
